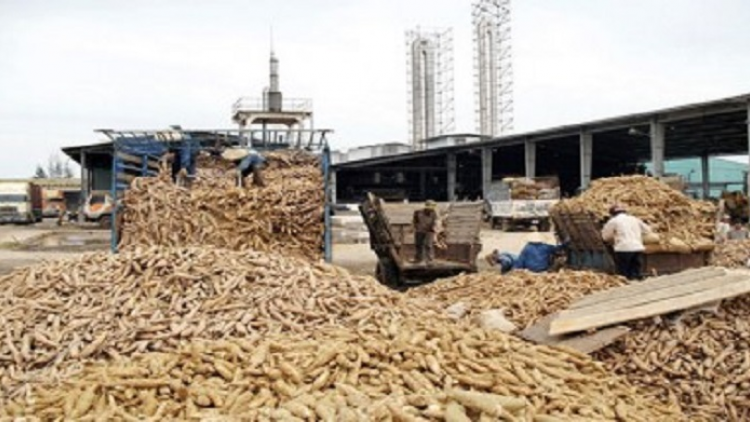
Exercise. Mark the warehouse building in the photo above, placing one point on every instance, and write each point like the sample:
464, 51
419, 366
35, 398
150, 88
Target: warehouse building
635, 143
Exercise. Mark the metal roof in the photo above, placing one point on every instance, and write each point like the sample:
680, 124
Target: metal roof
695, 127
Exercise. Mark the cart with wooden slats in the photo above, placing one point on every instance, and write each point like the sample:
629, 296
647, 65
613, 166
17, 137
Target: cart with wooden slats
392, 239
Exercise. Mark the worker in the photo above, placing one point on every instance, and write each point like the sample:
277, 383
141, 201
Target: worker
536, 256
503, 261
249, 161
425, 223
626, 233
722, 229
738, 232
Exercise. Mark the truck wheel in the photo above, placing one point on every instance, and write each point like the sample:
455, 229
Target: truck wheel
505, 225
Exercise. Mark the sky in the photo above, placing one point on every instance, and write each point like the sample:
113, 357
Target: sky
68, 67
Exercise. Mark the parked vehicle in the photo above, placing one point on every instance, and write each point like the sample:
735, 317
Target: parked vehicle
99, 207
522, 202
20, 202
53, 203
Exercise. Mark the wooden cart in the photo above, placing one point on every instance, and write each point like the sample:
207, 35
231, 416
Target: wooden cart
586, 249
392, 239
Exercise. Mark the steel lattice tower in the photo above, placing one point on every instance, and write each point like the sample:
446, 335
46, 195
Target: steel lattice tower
429, 75
493, 66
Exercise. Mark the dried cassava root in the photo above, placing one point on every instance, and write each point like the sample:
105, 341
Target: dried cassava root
526, 297
701, 363
732, 254
286, 216
682, 223
386, 370
152, 299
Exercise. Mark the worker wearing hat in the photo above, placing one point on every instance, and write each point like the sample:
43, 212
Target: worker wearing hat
626, 233
425, 225
249, 161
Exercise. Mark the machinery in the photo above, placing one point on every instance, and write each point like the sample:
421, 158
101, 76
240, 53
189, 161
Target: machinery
522, 202
20, 202
99, 207
392, 239
53, 203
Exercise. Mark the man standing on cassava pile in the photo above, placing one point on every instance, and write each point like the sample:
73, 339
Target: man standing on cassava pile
425, 225
626, 233
249, 161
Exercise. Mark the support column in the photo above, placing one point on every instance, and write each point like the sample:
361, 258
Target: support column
332, 181
747, 182
85, 184
451, 177
705, 176
586, 149
486, 171
657, 148
530, 158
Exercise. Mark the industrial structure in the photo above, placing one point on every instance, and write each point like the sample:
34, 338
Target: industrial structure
429, 75
576, 154
493, 67
272, 110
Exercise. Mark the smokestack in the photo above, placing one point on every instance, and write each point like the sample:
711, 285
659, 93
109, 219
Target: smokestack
274, 95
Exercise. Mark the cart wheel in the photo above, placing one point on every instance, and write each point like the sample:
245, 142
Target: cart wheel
386, 274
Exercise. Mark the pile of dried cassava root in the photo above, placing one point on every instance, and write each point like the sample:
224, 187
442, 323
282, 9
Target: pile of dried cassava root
526, 297
682, 223
701, 362
400, 370
152, 299
732, 254
286, 216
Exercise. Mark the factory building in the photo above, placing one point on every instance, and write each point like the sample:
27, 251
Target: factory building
578, 153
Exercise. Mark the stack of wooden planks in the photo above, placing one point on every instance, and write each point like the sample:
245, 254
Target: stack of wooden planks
652, 297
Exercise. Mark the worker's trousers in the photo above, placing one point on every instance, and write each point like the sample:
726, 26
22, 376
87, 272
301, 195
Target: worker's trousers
425, 245
629, 264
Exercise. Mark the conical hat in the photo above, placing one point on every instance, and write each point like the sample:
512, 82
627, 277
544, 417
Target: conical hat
234, 154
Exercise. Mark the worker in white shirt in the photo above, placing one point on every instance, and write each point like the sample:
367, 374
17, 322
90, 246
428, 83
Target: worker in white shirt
626, 232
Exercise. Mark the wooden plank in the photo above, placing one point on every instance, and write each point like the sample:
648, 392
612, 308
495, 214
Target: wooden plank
584, 343
126, 177
134, 159
563, 325
654, 296
648, 285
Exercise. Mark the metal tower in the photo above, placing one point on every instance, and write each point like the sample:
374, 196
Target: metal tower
493, 66
429, 80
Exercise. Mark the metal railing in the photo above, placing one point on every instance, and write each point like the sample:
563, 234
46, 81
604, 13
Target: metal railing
308, 139
300, 105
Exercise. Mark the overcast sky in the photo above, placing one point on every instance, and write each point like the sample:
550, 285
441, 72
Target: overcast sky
68, 67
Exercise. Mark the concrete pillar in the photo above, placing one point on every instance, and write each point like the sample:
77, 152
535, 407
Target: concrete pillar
85, 184
530, 158
748, 147
705, 176
332, 185
451, 177
486, 171
657, 148
586, 149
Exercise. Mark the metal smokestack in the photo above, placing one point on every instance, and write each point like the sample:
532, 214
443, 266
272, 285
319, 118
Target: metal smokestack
274, 95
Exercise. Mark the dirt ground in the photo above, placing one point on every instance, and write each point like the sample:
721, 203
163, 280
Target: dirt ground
360, 258
27, 245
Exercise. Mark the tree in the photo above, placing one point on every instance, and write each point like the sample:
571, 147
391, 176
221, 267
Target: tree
57, 168
40, 173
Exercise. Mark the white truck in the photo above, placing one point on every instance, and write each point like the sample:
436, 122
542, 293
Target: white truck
20, 202
522, 202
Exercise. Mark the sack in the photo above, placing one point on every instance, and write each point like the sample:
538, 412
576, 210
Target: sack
457, 310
